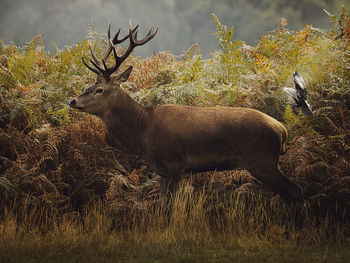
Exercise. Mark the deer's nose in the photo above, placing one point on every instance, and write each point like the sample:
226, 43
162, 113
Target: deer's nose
72, 103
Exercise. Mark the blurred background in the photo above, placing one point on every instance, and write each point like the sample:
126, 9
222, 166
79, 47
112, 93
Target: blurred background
181, 22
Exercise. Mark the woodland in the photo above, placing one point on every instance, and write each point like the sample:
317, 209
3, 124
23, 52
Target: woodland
67, 195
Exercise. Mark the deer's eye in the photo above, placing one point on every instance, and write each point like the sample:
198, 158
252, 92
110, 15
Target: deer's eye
98, 91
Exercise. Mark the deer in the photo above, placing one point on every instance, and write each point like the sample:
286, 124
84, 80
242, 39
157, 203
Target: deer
177, 139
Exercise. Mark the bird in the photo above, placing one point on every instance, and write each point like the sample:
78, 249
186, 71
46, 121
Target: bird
299, 94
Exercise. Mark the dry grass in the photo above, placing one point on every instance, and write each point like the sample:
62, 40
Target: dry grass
191, 228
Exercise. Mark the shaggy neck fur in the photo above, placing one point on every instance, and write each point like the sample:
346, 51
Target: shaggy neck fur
126, 122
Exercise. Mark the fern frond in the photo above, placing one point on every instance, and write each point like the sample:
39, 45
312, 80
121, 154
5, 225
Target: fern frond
224, 36
262, 63
191, 51
331, 124
31, 45
309, 169
44, 184
49, 155
80, 160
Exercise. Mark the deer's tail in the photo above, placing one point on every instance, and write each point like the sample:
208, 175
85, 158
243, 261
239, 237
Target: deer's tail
284, 140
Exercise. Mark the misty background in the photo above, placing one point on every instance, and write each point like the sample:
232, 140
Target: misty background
181, 22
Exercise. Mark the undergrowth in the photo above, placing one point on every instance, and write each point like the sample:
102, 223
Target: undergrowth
55, 162
188, 229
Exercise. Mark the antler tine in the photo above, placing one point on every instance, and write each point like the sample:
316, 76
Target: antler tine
115, 40
101, 66
109, 29
109, 49
100, 70
135, 37
149, 31
147, 38
90, 68
93, 55
104, 64
118, 41
133, 43
113, 48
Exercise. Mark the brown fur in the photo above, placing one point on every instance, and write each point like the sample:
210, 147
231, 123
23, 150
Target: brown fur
174, 139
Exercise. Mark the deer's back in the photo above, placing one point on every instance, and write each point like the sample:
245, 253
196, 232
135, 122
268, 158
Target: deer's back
210, 137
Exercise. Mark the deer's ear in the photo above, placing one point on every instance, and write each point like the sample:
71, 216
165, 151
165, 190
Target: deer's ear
125, 75
121, 77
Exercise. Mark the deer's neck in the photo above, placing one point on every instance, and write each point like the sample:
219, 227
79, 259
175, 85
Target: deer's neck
126, 122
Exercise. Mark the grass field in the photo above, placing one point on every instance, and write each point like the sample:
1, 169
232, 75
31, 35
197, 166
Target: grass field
189, 230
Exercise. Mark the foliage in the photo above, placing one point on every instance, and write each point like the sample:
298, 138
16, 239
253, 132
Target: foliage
56, 161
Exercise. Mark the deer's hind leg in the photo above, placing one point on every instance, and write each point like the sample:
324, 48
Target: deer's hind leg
169, 185
274, 179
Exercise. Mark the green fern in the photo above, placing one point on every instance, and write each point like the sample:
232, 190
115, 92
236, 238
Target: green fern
291, 121
192, 72
192, 51
59, 116
34, 43
223, 35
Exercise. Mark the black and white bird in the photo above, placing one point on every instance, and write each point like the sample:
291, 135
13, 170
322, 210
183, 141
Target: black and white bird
299, 94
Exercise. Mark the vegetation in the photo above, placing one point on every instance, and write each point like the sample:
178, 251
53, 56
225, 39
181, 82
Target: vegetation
66, 195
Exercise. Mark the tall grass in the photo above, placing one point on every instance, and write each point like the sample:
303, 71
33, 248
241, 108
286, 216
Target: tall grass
191, 227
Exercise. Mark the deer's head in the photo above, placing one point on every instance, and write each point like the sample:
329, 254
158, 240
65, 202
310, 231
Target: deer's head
98, 98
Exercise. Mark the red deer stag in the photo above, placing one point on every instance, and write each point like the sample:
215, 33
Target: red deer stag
175, 139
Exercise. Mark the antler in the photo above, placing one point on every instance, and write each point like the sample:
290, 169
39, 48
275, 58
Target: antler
101, 67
